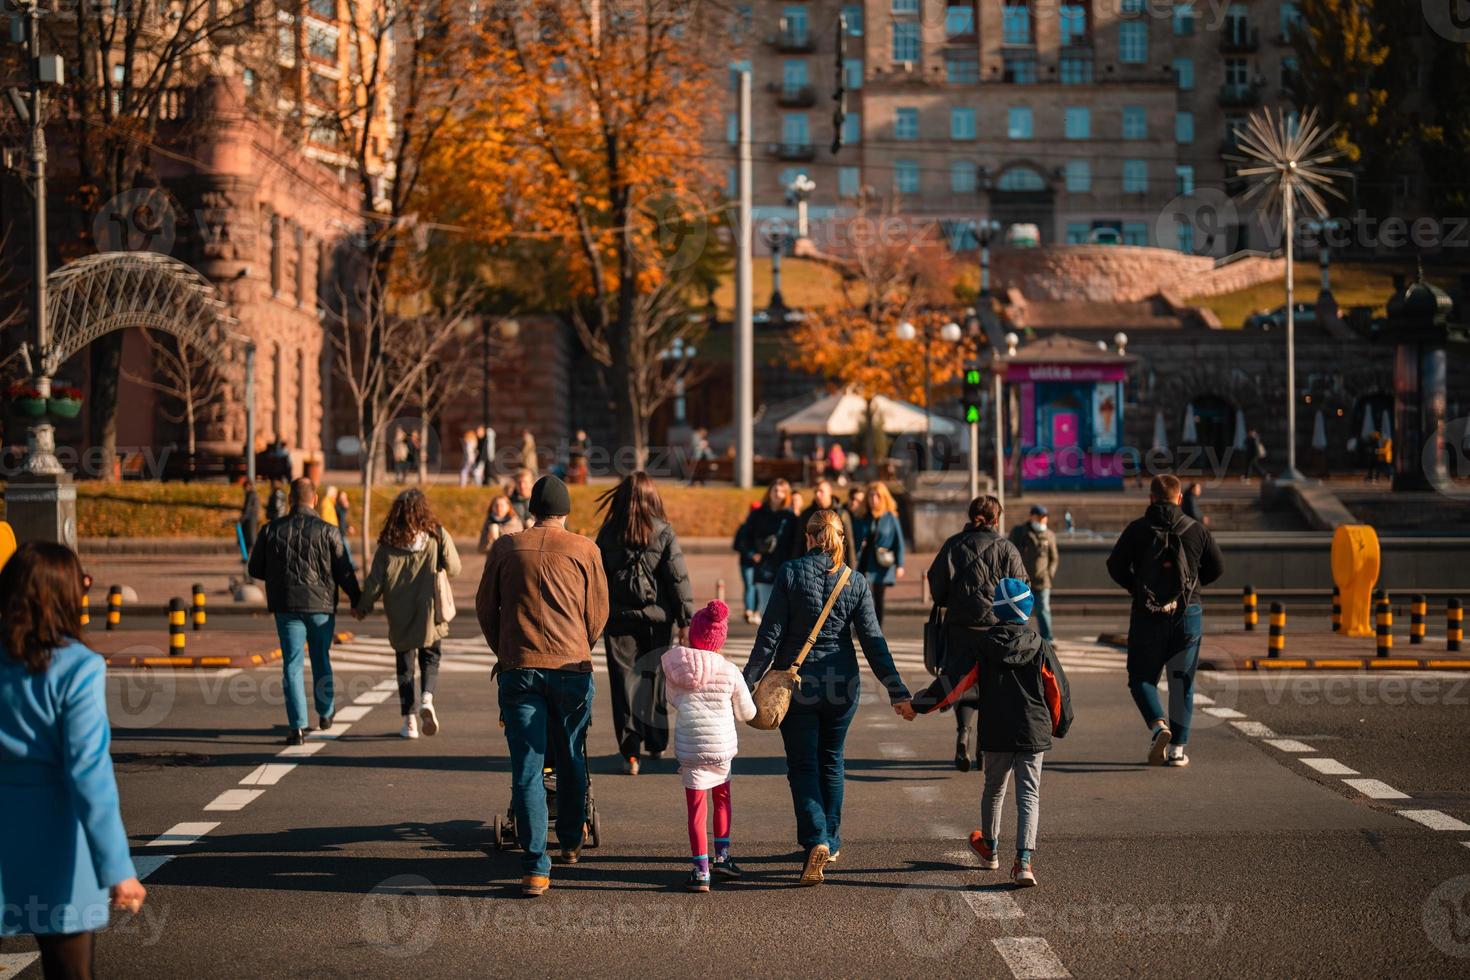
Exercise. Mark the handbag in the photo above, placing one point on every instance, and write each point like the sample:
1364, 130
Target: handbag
885, 557
444, 609
773, 692
934, 641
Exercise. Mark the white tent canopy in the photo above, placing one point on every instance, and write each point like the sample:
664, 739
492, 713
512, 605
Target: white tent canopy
842, 413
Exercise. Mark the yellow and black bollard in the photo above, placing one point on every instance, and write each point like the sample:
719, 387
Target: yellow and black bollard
1248, 607
198, 606
1336, 609
176, 627
1418, 609
1383, 627
114, 607
86, 609
1276, 640
1454, 633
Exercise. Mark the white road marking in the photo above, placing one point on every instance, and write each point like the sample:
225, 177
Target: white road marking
970, 858
1289, 745
882, 724
1253, 728
267, 774
353, 712
1465, 842
145, 864
234, 799
944, 831
294, 751
1029, 957
1330, 767
387, 685
1224, 713
375, 696
922, 794
181, 834
1376, 790
1435, 820
14, 964
896, 750
993, 905
336, 731
1203, 698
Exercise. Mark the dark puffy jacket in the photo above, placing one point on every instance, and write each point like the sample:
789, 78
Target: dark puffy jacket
1134, 543
303, 562
768, 535
665, 561
1024, 695
966, 571
798, 546
830, 669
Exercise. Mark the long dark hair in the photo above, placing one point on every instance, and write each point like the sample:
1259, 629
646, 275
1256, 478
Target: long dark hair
630, 509
40, 602
407, 518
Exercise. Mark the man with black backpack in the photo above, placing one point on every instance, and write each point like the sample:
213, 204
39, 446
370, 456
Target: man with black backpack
1163, 559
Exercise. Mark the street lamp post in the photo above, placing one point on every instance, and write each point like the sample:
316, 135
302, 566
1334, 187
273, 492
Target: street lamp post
985, 230
950, 333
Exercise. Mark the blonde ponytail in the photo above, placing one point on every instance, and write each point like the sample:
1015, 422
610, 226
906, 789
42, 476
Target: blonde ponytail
825, 531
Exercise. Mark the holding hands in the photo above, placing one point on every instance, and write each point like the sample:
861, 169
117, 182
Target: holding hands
905, 710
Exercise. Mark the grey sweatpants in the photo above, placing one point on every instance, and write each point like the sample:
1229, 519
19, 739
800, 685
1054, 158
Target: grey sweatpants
998, 769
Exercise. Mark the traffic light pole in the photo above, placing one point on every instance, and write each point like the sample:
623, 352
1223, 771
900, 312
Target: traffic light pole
744, 300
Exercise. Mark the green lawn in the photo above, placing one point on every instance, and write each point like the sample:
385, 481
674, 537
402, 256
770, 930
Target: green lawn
1353, 284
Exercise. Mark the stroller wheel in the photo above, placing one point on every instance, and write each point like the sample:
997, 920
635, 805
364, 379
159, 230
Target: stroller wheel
499, 833
594, 830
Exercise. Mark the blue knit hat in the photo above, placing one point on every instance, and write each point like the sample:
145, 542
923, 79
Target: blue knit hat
1013, 601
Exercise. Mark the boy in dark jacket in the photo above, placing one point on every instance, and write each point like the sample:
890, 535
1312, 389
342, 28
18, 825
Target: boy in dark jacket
1024, 702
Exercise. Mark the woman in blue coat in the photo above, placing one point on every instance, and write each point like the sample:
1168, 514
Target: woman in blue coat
880, 549
63, 852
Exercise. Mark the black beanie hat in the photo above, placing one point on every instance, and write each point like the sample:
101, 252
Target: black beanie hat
549, 498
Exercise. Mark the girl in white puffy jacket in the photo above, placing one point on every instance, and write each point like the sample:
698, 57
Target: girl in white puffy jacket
710, 696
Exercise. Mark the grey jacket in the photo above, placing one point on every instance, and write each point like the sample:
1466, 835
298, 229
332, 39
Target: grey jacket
404, 577
1038, 552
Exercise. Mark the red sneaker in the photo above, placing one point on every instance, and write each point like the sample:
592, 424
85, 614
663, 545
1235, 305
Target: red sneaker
988, 860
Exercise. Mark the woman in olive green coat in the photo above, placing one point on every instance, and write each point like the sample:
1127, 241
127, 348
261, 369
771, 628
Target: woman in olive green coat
412, 548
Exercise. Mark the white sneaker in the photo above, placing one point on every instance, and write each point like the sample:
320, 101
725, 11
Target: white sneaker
427, 713
1176, 757
410, 727
755, 619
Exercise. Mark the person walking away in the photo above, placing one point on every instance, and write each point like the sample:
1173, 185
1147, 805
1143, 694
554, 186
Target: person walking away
400, 455
709, 695
577, 457
63, 848
469, 444
1163, 559
1025, 701
413, 548
825, 699
881, 550
519, 493
1191, 506
485, 467
648, 597
529, 460
303, 562
1039, 554
249, 514
742, 546
542, 604
766, 541
500, 518
276, 504
1255, 456
342, 508
962, 579
823, 499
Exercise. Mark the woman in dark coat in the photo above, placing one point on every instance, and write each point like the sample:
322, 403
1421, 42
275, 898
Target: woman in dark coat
880, 549
649, 596
764, 540
826, 697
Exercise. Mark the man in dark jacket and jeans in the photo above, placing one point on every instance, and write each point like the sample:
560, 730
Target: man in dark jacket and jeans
303, 562
1164, 630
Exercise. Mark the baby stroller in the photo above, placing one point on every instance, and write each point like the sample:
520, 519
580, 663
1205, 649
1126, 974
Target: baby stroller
505, 825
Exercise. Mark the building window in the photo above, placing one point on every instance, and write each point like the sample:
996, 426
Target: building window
1077, 233
789, 175
325, 9
1288, 72
1075, 69
248, 77
1015, 24
852, 13
1237, 23
794, 130
1021, 179
794, 24
852, 74
1135, 176
906, 41
732, 179
1291, 19
300, 265
905, 123
1133, 42
1184, 73
1237, 73
736, 67
959, 21
852, 129
793, 76
1184, 179
1135, 122
1132, 8
905, 6
321, 43
1135, 233
962, 124
1018, 123
1020, 69
962, 177
276, 257
1072, 24
1077, 123
732, 128
1183, 20
849, 181
1184, 127
961, 68
1078, 176
1185, 232
906, 176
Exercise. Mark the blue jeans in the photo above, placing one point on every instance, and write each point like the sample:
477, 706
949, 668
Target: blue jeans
541, 706
312, 631
747, 578
814, 732
1157, 642
762, 594
1041, 612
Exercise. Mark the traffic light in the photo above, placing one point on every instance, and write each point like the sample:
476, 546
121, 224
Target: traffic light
974, 389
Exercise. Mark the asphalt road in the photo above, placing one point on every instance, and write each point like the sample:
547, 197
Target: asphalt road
373, 856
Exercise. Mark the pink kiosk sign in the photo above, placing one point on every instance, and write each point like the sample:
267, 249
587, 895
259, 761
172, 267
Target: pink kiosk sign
1070, 399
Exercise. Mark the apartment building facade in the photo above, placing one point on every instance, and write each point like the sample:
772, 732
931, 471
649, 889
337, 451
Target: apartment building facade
1091, 120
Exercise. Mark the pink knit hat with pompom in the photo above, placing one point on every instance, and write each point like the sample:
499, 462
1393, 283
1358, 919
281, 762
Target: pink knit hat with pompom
710, 626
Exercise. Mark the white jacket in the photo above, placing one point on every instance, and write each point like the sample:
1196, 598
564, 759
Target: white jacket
710, 695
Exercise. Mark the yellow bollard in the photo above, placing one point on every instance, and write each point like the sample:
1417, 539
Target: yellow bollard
1276, 640
1418, 609
198, 606
176, 627
7, 543
1355, 563
1454, 633
1248, 608
114, 607
1383, 627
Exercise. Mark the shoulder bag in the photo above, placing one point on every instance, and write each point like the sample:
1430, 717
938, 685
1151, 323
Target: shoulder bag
444, 610
773, 691
934, 640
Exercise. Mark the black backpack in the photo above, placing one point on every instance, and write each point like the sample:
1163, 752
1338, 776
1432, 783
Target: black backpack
633, 584
1166, 576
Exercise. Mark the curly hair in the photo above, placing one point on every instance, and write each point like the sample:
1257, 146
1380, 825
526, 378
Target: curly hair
40, 602
409, 517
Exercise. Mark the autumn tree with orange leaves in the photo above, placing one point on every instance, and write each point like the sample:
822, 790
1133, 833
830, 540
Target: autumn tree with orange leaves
588, 138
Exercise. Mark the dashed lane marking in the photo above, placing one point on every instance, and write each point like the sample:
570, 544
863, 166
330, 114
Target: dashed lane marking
1376, 789
896, 750
944, 831
14, 964
234, 799
354, 712
300, 751
374, 696
1224, 713
267, 774
1203, 699
182, 834
1029, 957
145, 864
1435, 820
388, 684
1329, 767
1253, 728
992, 904
1289, 745
336, 731
922, 794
